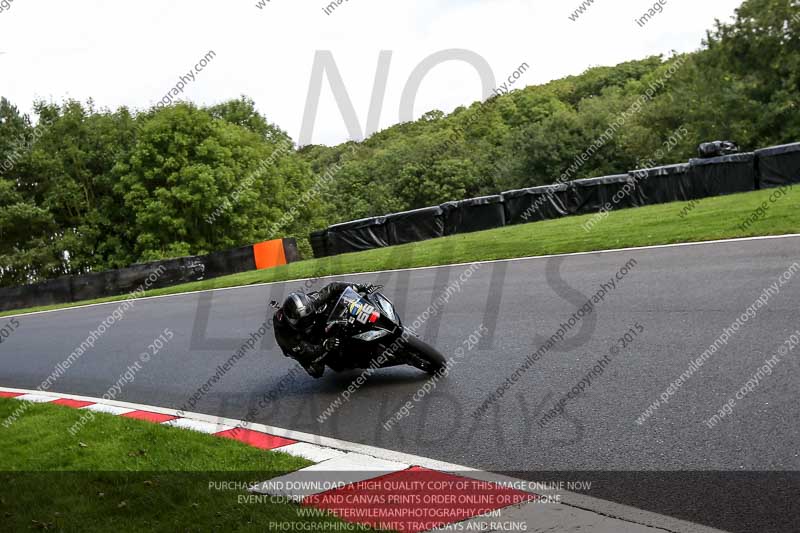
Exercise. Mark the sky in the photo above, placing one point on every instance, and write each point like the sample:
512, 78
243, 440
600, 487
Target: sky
133, 53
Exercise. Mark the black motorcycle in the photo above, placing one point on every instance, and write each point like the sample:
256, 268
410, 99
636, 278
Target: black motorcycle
372, 336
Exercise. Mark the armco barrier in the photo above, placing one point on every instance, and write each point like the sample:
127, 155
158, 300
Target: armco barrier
474, 214
662, 185
50, 292
778, 165
607, 193
319, 243
417, 225
726, 174
155, 275
363, 234
538, 203
700, 178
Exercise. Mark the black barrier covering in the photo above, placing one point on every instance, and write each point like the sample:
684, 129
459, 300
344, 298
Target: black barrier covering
416, 225
125, 280
364, 234
538, 203
608, 193
290, 251
778, 165
474, 214
319, 243
50, 292
660, 185
723, 175
154, 275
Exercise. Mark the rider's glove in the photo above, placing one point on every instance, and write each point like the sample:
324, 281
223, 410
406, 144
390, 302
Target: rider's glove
368, 288
315, 370
331, 344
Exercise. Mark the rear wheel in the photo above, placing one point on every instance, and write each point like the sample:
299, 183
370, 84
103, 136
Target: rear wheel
421, 355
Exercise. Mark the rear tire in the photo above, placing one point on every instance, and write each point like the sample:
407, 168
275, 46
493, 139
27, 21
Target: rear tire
424, 357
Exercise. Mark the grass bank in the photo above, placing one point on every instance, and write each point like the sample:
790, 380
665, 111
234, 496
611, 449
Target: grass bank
119, 474
700, 220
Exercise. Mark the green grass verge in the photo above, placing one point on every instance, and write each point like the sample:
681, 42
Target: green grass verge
708, 219
119, 474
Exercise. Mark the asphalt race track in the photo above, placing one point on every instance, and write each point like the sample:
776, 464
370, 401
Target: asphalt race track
740, 475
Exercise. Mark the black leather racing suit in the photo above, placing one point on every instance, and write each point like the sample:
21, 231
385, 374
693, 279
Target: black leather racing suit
306, 346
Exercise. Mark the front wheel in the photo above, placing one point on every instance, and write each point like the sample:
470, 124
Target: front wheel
421, 355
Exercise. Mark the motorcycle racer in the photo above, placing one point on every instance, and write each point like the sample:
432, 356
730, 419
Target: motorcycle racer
300, 326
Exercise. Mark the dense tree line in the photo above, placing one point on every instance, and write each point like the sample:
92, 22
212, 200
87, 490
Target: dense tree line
85, 189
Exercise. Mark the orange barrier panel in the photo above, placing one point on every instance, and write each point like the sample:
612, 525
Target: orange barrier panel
269, 254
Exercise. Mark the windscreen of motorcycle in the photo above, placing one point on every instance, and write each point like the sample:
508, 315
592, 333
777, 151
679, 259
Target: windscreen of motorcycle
385, 306
354, 309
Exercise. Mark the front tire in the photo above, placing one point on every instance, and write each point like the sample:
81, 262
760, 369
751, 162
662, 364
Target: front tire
424, 357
